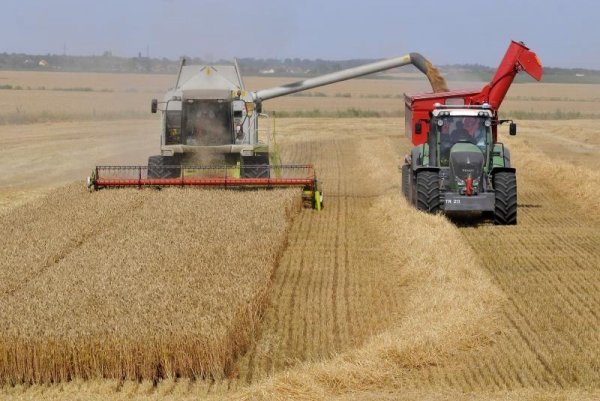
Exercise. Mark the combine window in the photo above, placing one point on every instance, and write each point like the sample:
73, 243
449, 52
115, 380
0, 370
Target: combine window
173, 127
208, 123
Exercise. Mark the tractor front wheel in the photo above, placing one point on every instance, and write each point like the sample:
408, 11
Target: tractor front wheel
428, 191
505, 210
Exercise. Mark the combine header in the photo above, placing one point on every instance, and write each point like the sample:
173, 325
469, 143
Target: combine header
210, 136
224, 176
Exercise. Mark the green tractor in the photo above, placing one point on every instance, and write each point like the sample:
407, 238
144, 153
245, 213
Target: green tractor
458, 166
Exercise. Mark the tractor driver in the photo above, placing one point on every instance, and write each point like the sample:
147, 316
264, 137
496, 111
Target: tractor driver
477, 131
460, 133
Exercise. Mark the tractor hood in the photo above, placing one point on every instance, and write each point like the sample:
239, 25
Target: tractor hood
466, 162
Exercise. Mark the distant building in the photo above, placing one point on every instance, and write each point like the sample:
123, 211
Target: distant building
580, 75
43, 63
269, 71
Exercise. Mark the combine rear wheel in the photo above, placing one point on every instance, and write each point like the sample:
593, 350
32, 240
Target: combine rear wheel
163, 167
428, 191
505, 185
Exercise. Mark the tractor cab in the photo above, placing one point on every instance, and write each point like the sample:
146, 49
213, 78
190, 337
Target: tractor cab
458, 128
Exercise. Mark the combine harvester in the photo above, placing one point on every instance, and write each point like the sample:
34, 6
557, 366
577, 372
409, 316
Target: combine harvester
457, 164
210, 135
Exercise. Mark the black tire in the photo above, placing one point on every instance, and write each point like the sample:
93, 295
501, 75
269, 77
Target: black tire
257, 167
163, 167
406, 181
428, 191
505, 186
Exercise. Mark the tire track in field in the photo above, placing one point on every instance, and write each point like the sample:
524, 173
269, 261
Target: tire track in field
325, 296
301, 325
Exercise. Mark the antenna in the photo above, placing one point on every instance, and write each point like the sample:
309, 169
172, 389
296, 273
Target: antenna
237, 70
179, 74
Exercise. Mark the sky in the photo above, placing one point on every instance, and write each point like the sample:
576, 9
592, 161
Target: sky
562, 33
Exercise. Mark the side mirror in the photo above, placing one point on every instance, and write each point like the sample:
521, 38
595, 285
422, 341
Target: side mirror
154, 106
418, 128
512, 129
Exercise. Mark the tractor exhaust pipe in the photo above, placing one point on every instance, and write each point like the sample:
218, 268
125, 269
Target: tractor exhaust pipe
437, 81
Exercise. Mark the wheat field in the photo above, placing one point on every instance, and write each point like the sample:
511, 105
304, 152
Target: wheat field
368, 299
135, 285
361, 304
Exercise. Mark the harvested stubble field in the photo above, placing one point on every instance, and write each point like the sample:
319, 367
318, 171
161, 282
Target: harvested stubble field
37, 157
373, 300
131, 285
56, 97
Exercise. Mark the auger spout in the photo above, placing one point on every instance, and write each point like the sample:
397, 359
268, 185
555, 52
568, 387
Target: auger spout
517, 58
437, 81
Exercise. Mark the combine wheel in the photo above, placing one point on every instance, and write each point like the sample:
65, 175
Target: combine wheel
163, 167
406, 181
428, 191
505, 185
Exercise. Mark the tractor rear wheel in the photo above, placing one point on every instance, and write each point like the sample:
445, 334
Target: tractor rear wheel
428, 191
505, 210
163, 167
406, 181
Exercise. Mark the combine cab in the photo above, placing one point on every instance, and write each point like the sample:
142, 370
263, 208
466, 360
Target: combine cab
458, 165
210, 135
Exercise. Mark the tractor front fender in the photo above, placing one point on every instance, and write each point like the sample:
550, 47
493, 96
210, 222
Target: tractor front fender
507, 169
427, 168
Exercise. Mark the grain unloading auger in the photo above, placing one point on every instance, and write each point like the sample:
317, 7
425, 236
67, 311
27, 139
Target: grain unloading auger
210, 136
457, 164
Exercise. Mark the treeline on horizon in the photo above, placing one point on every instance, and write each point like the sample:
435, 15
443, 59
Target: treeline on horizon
289, 67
